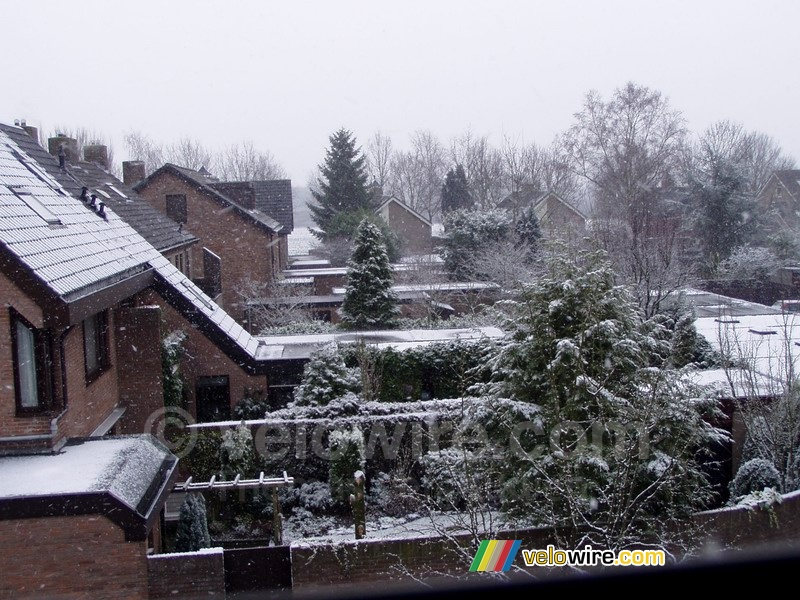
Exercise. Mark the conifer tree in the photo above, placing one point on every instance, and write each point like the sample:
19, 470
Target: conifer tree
455, 191
369, 302
192, 534
326, 378
342, 188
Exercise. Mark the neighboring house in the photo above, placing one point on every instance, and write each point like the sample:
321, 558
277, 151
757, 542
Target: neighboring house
412, 229
242, 226
167, 236
779, 202
556, 215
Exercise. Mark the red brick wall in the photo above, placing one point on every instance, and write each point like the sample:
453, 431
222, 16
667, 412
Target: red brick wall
202, 357
9, 423
88, 404
139, 356
186, 575
242, 245
414, 235
70, 557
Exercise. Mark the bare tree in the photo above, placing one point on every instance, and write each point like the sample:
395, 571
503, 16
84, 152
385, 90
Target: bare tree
141, 147
86, 137
541, 168
243, 162
379, 159
417, 175
277, 303
727, 144
190, 153
630, 148
483, 165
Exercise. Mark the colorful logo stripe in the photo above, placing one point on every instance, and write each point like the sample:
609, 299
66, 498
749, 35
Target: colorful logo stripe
495, 555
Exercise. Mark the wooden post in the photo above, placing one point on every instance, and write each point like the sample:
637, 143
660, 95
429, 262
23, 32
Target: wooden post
359, 504
277, 519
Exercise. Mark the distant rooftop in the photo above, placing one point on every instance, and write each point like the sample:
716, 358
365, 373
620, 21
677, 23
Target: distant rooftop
301, 346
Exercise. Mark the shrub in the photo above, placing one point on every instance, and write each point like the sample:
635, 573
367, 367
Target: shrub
753, 476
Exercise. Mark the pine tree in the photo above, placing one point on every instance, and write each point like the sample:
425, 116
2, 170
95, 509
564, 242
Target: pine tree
326, 378
369, 302
192, 534
455, 191
343, 189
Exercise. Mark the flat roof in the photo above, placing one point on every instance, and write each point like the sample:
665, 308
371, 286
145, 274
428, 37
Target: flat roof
301, 346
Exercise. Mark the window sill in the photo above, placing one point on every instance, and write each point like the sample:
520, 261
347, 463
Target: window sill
97, 374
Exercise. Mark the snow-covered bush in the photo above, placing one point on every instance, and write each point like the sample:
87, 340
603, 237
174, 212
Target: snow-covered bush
252, 406
192, 534
347, 455
325, 378
753, 476
613, 420
468, 232
237, 453
749, 263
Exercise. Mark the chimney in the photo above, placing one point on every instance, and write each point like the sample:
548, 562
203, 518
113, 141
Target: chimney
133, 172
70, 145
96, 153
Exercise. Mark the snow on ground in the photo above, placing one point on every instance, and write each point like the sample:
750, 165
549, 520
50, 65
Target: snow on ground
412, 526
301, 241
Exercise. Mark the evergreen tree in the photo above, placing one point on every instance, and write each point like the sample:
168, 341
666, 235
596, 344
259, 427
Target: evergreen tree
343, 188
455, 191
347, 457
527, 228
192, 534
606, 437
723, 216
369, 302
326, 378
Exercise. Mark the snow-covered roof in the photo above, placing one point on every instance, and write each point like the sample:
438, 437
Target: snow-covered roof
65, 243
768, 344
736, 383
126, 477
445, 286
301, 346
709, 304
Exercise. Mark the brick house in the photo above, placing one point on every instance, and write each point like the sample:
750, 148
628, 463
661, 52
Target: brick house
170, 238
242, 226
411, 228
779, 201
557, 217
75, 515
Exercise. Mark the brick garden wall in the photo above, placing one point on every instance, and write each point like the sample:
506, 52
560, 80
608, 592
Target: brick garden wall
185, 576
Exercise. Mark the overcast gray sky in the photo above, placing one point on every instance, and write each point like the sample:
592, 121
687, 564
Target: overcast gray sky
286, 74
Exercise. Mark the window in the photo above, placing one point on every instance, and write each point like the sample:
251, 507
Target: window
95, 344
32, 355
180, 263
176, 207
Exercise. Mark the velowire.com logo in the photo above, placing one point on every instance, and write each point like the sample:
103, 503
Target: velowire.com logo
495, 555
